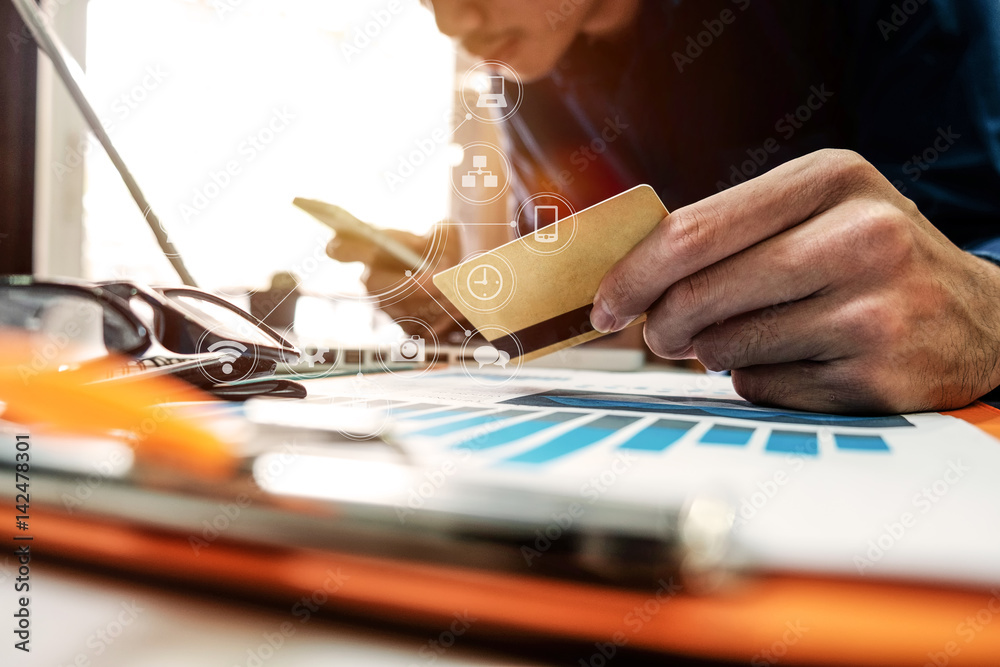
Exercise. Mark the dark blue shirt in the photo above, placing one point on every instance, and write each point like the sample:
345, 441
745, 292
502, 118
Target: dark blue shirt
702, 94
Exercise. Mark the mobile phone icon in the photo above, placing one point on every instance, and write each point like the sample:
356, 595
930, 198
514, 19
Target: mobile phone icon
546, 224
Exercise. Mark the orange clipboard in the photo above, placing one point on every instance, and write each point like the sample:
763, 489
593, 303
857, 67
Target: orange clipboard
763, 620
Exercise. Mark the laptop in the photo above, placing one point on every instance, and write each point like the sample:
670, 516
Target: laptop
493, 99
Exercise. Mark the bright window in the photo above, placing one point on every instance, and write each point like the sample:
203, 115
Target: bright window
228, 109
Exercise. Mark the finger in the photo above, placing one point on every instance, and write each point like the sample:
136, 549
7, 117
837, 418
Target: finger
381, 280
780, 270
349, 249
445, 325
703, 233
839, 387
811, 329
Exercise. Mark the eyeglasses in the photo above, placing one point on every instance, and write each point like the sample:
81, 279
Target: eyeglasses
216, 339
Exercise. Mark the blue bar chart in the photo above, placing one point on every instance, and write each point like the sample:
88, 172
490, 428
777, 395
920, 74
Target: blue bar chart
487, 428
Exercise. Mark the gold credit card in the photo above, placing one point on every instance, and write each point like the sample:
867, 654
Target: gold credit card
533, 296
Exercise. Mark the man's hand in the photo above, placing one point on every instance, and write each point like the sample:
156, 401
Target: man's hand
821, 287
397, 294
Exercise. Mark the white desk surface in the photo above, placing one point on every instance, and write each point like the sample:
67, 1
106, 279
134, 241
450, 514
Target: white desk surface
76, 617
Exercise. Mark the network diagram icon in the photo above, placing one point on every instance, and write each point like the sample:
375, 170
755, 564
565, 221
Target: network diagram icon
471, 178
483, 175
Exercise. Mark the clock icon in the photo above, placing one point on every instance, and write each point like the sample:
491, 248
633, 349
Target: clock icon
485, 282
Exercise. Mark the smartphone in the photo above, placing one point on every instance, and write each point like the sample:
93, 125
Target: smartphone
546, 227
346, 224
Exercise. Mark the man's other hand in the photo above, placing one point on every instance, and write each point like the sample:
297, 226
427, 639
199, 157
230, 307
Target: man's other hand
397, 294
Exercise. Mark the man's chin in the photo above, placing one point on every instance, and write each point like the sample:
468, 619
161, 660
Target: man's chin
529, 71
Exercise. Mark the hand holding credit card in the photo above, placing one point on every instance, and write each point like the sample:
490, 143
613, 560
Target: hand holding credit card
533, 296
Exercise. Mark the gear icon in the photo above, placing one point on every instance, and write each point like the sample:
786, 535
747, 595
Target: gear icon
318, 357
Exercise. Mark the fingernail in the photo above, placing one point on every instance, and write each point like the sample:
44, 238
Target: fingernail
601, 318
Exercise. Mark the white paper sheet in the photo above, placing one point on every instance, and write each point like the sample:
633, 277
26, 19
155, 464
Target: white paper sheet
914, 497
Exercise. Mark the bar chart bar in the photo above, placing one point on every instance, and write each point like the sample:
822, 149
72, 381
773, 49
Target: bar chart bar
865, 443
658, 436
736, 436
441, 414
508, 434
793, 442
575, 440
471, 422
415, 407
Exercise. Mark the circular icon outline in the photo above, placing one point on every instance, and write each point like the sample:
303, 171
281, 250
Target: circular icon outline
243, 347
409, 282
472, 273
479, 308
506, 181
497, 64
476, 377
310, 359
571, 217
365, 395
411, 373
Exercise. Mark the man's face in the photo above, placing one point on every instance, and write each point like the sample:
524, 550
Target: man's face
529, 35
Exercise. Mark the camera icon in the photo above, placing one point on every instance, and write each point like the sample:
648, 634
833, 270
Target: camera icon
408, 350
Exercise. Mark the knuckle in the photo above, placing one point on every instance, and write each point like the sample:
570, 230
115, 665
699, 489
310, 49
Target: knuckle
891, 329
620, 287
882, 235
868, 388
712, 353
844, 171
727, 347
858, 322
657, 341
760, 386
653, 341
690, 232
684, 296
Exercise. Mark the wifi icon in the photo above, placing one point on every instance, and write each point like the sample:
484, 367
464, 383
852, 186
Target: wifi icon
231, 351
